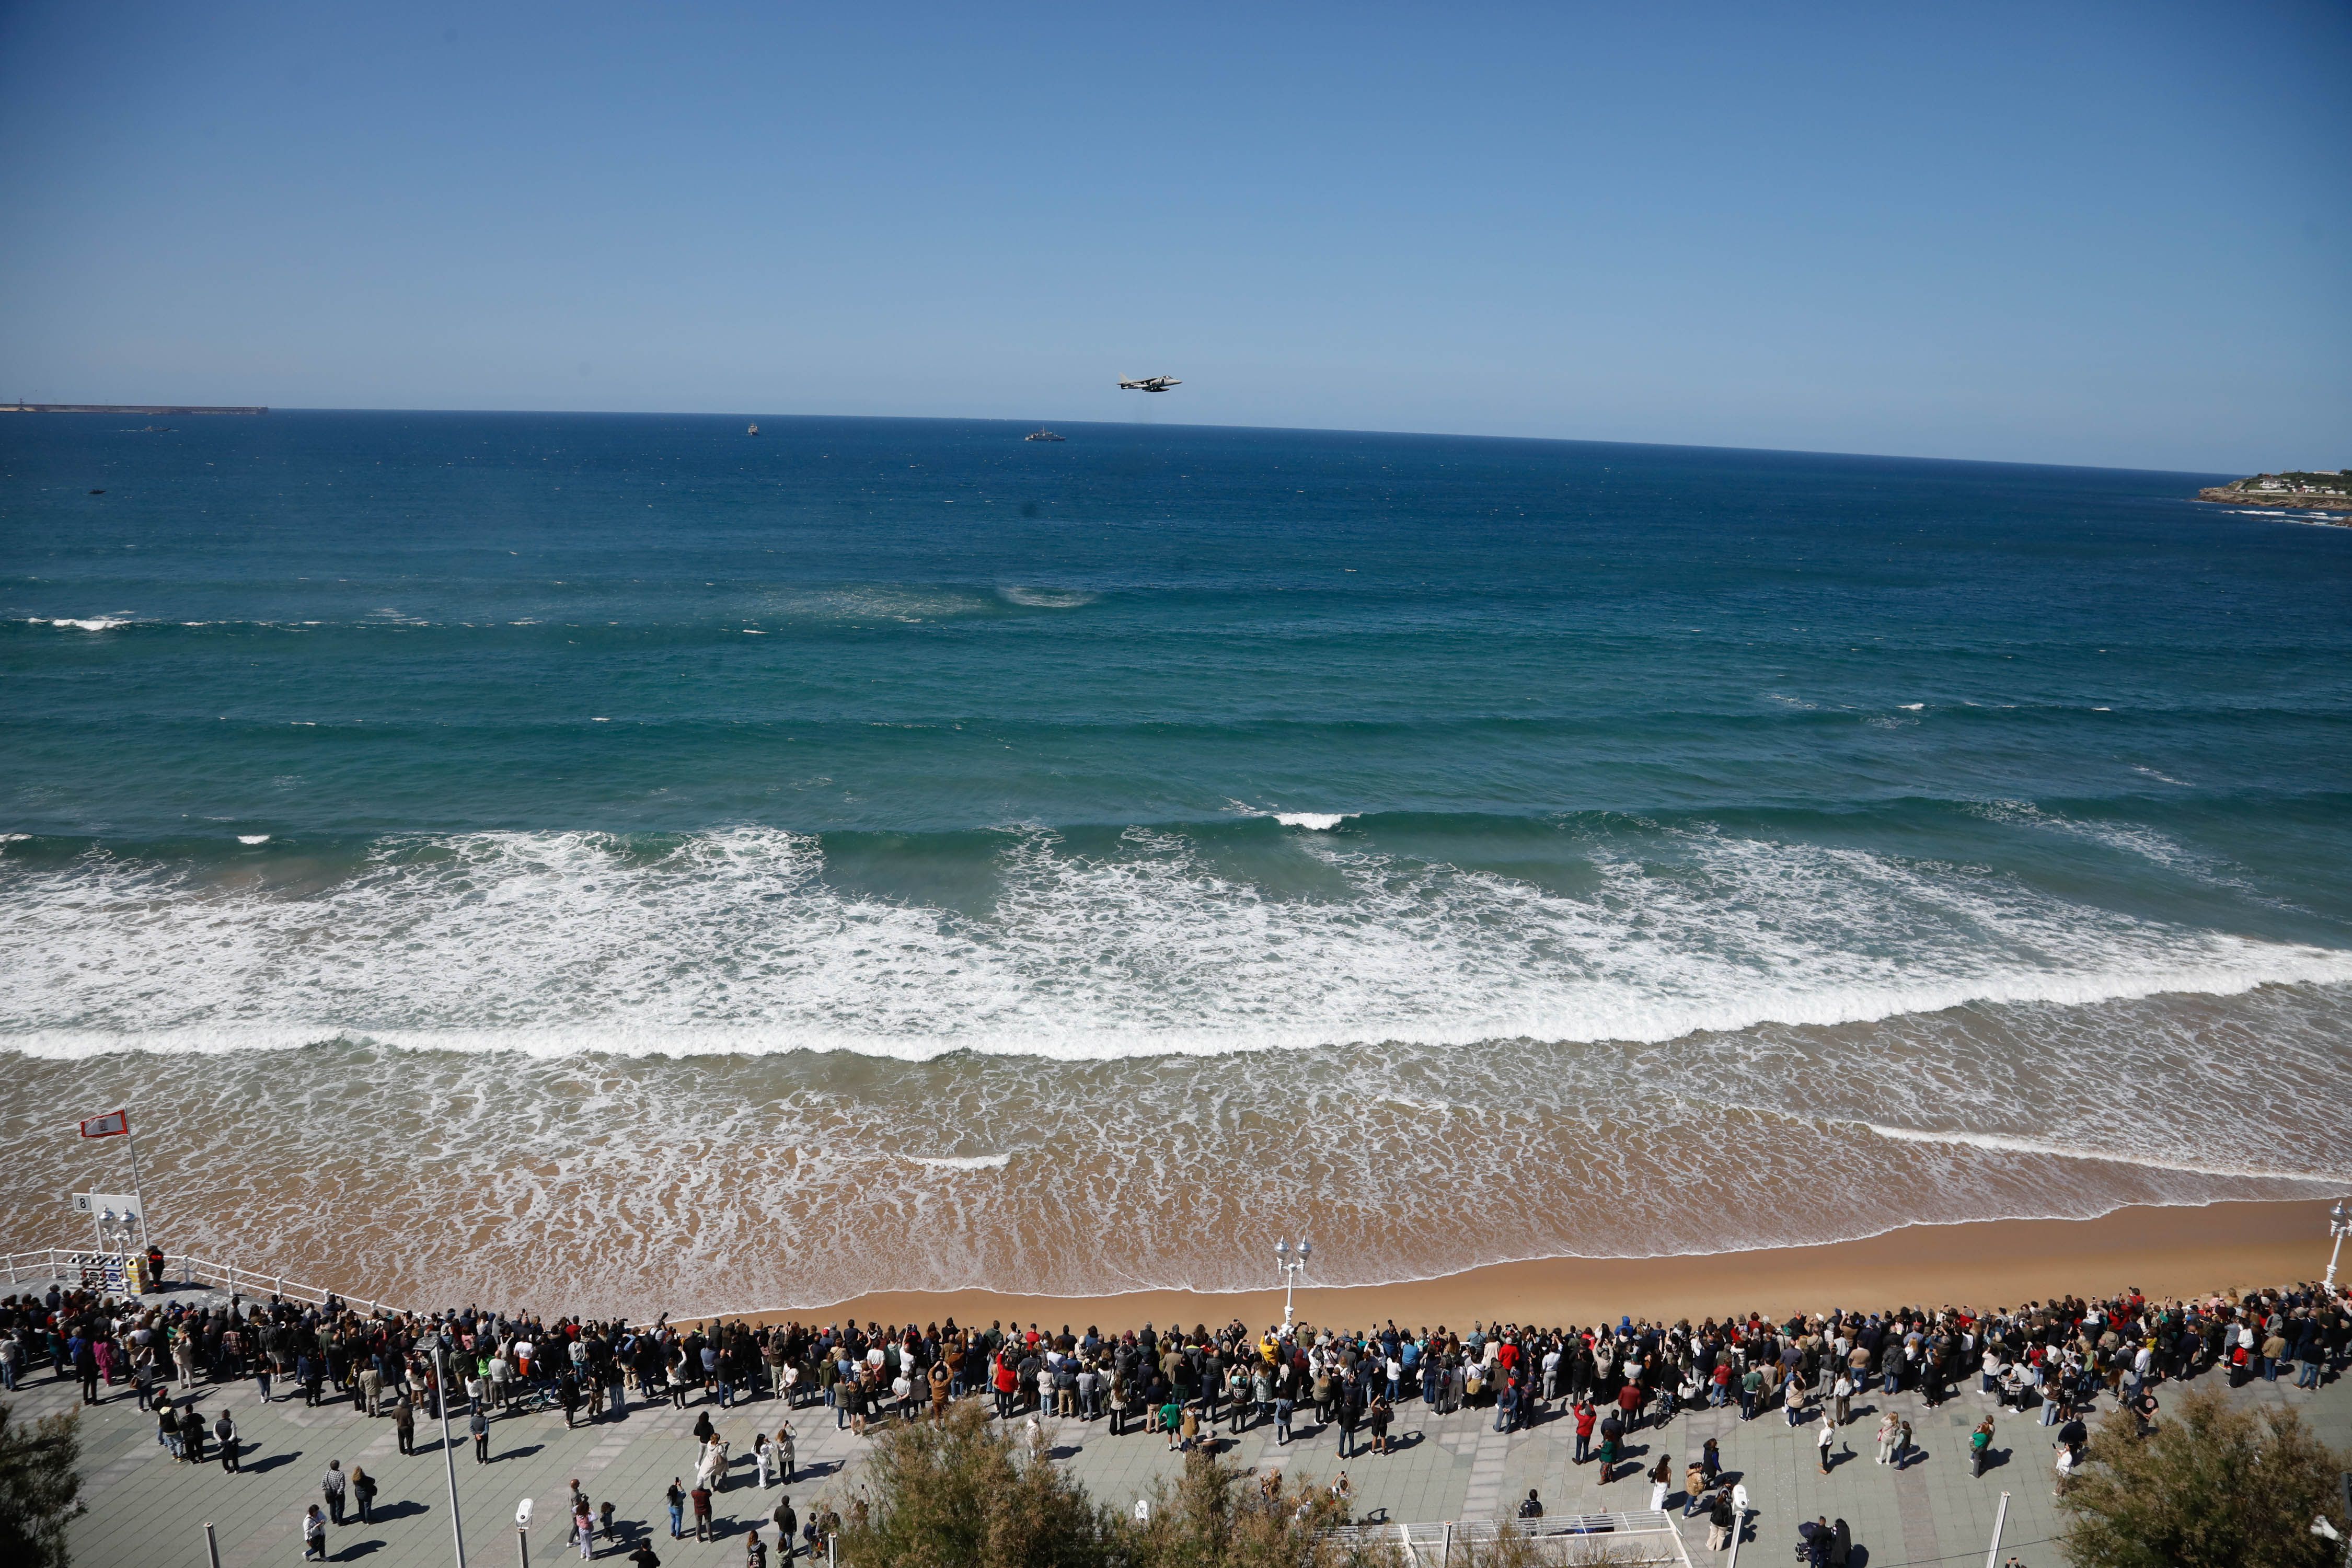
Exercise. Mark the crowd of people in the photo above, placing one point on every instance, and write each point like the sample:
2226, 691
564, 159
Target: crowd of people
1186, 1387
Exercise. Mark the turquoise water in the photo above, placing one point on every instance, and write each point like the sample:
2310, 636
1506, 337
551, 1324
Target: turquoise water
1346, 819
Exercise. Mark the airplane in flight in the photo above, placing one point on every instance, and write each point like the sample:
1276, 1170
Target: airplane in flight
1148, 384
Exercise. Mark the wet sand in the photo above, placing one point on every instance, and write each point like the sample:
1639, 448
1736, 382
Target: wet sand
1999, 1263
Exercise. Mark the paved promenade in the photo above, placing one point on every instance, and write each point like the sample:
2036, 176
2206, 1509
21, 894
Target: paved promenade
145, 1509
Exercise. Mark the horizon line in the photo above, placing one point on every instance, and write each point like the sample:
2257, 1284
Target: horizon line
1275, 429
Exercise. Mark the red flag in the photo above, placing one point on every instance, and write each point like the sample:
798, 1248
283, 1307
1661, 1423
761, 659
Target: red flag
112, 1124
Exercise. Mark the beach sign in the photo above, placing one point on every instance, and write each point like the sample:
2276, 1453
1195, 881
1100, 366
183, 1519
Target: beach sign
114, 1124
120, 1205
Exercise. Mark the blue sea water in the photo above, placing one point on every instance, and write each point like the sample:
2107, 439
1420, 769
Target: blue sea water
1367, 822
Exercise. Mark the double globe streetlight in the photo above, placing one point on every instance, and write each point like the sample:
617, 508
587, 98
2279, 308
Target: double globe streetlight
2339, 1227
1289, 1266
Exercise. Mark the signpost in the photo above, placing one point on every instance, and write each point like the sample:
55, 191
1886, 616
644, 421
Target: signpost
117, 1125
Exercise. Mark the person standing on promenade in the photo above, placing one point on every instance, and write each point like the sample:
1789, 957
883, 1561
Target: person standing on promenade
478, 1424
1980, 1441
192, 1434
224, 1429
700, 1496
404, 1425
314, 1536
1662, 1482
1827, 1437
1886, 1425
333, 1486
1612, 1432
363, 1493
676, 1498
1585, 1417
788, 1524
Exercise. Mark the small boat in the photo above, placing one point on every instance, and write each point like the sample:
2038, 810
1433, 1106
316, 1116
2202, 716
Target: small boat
1041, 434
754, 430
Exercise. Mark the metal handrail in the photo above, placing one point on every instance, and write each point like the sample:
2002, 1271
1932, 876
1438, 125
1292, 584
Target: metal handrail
1433, 1544
198, 1270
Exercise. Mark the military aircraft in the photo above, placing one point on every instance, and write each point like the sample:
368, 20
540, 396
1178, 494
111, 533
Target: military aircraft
1148, 384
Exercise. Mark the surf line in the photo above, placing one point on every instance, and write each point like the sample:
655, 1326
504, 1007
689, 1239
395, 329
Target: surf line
2001, 1142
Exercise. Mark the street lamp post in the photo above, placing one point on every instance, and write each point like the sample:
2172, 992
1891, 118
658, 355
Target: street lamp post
1289, 1266
448, 1456
2339, 1226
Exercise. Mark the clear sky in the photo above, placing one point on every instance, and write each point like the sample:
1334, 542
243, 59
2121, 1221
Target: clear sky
2057, 232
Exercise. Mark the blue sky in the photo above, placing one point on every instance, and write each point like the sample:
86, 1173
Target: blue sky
2093, 234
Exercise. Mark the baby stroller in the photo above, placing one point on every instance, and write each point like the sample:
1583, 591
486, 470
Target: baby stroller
1821, 1545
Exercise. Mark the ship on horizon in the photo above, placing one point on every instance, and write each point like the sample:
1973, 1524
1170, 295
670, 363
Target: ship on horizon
1041, 434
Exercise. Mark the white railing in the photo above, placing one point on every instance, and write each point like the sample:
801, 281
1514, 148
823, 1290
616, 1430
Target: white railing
68, 1263
1647, 1536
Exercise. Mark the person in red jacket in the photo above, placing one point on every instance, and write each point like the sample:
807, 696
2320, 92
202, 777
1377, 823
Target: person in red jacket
1584, 1419
1006, 1380
1629, 1400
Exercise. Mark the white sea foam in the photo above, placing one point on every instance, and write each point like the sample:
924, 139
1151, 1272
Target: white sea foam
557, 943
1318, 821
2130, 838
93, 624
2005, 1144
963, 1161
253, 838
1047, 599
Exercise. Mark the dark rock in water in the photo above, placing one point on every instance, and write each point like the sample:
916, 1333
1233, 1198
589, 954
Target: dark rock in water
98, 492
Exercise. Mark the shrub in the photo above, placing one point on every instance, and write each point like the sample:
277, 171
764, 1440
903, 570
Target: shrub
40, 1494
2215, 1487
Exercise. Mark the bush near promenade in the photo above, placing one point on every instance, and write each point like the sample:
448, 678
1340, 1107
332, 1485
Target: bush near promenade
2214, 1487
40, 1494
967, 1493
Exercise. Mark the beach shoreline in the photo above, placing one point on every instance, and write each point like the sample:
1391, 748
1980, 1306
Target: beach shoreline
2162, 1251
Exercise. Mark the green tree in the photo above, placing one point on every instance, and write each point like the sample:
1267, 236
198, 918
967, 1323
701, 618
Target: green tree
40, 1494
962, 1494
968, 1493
1215, 1516
2214, 1487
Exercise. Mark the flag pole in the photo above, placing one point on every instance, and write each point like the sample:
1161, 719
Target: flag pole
146, 1228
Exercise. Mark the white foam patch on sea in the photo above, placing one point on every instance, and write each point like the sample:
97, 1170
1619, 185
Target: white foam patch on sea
737, 942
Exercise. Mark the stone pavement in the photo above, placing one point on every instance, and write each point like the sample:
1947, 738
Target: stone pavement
144, 1509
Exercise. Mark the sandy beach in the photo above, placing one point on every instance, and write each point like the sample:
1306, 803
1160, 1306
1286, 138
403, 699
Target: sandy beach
2169, 1251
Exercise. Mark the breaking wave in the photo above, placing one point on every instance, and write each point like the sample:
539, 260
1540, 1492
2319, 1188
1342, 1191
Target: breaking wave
742, 941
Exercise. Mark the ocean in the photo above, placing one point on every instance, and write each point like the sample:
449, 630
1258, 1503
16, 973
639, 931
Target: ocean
622, 862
